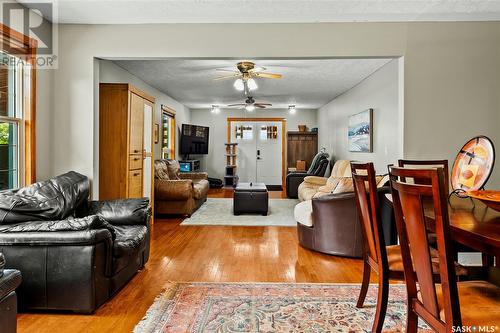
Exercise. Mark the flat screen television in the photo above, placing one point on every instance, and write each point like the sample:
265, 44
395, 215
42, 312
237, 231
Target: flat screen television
194, 140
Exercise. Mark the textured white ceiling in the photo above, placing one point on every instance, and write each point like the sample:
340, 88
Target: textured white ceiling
258, 11
307, 83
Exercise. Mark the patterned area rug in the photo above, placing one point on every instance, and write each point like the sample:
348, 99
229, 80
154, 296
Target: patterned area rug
263, 307
220, 212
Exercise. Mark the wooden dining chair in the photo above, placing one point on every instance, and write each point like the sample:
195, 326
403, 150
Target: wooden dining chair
426, 164
487, 260
385, 261
448, 305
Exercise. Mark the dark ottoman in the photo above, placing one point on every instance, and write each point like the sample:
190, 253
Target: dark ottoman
250, 198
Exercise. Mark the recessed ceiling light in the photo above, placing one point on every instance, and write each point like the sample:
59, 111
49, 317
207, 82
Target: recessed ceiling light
215, 109
292, 109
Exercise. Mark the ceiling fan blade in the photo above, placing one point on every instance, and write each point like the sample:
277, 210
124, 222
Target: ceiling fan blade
269, 75
260, 106
226, 77
227, 70
232, 105
258, 69
264, 104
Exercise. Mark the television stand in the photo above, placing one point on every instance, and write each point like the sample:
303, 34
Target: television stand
190, 165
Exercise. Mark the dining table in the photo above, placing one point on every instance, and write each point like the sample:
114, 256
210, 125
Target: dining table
472, 224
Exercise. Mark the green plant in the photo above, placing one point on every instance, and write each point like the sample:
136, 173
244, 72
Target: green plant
4, 133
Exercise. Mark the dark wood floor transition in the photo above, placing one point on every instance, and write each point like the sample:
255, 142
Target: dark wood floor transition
207, 254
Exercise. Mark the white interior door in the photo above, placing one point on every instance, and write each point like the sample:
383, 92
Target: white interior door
148, 150
269, 149
259, 151
243, 133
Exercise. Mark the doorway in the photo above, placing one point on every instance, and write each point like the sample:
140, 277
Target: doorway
261, 149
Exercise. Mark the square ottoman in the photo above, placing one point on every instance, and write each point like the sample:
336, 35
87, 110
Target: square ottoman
250, 198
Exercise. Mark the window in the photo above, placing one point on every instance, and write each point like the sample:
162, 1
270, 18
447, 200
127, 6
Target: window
167, 133
17, 129
11, 121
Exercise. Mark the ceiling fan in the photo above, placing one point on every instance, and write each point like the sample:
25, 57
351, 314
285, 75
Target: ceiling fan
245, 75
250, 104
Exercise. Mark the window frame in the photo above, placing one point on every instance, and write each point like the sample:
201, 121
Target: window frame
170, 114
16, 44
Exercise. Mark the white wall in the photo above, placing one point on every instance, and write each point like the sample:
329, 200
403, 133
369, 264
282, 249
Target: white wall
380, 92
214, 162
451, 75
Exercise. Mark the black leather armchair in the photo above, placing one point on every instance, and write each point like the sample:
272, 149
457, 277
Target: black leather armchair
9, 281
318, 168
74, 254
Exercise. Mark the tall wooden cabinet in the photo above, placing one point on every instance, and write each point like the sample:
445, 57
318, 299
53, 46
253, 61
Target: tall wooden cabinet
301, 146
126, 117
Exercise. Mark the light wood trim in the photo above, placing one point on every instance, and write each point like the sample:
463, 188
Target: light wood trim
141, 93
171, 112
152, 154
26, 46
173, 129
283, 136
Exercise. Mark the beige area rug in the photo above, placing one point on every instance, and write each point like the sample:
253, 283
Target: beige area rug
269, 307
220, 212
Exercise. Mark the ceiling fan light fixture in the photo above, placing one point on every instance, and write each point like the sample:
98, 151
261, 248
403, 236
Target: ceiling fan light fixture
249, 107
292, 109
252, 85
215, 109
239, 85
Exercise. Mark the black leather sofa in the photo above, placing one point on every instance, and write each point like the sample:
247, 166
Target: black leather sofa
318, 168
73, 253
9, 281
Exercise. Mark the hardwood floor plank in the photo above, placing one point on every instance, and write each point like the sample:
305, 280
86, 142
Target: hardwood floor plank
205, 254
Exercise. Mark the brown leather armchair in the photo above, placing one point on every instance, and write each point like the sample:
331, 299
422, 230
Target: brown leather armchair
182, 196
330, 224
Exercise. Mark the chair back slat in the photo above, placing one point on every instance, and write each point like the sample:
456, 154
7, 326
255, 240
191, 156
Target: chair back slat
410, 203
367, 202
426, 164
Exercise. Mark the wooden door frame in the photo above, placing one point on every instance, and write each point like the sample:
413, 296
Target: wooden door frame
283, 137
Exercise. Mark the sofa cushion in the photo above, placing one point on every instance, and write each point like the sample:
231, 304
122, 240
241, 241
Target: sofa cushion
303, 213
307, 190
200, 188
315, 180
129, 241
174, 169
161, 170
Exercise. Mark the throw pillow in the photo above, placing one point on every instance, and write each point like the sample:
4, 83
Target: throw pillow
161, 170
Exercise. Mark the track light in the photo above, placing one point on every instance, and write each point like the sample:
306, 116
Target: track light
249, 107
215, 109
239, 85
292, 109
252, 85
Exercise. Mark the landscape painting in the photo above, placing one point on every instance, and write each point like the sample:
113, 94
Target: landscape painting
360, 131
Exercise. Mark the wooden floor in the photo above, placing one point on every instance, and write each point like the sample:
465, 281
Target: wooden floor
202, 253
